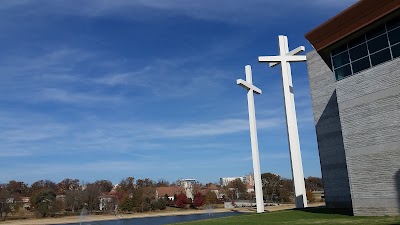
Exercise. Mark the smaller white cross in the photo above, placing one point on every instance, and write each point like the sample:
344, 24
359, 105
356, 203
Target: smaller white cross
251, 89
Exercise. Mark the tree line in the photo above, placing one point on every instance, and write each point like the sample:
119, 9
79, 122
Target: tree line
71, 196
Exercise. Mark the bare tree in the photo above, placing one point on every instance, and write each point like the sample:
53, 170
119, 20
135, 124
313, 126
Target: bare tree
91, 197
7, 203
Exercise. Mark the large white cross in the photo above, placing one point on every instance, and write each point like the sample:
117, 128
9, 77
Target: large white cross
293, 135
248, 84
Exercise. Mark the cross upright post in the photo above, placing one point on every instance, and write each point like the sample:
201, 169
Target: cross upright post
248, 84
284, 58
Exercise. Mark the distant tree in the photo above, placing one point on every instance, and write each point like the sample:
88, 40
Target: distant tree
67, 184
181, 200
239, 189
198, 200
160, 204
7, 202
104, 185
73, 200
143, 198
314, 184
196, 188
126, 204
17, 187
43, 201
310, 196
43, 184
126, 185
162, 183
147, 182
270, 184
91, 197
211, 198
286, 191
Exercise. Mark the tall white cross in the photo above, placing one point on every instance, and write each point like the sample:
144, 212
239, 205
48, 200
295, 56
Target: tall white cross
248, 84
293, 135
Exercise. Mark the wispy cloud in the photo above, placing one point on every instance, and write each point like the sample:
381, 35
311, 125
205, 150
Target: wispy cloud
227, 11
59, 95
15, 153
212, 128
19, 128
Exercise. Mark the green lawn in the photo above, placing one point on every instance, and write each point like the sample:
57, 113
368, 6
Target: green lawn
297, 217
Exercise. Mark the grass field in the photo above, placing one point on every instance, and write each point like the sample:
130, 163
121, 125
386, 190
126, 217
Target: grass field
297, 217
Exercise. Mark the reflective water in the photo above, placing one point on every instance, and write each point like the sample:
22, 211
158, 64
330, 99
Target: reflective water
161, 220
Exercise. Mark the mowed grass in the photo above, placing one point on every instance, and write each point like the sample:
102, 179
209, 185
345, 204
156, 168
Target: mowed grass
298, 217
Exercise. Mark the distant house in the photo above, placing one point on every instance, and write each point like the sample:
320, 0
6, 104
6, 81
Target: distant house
107, 202
250, 188
161, 192
25, 202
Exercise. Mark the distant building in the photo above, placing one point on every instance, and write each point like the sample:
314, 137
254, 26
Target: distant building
224, 181
162, 192
250, 179
188, 185
354, 76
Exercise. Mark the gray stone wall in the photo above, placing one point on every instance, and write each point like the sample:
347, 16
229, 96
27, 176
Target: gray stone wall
357, 122
329, 133
369, 104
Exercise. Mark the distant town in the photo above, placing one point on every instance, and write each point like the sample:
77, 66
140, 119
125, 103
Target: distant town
45, 198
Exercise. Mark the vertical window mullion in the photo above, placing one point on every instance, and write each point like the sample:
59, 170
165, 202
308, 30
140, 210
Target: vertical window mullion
390, 46
369, 55
348, 54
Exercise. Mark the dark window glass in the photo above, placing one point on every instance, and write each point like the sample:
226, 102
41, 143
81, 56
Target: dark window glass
341, 59
342, 72
377, 44
356, 41
393, 23
380, 57
394, 36
358, 52
396, 50
360, 64
376, 32
339, 49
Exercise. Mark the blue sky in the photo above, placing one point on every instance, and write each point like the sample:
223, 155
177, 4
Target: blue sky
147, 88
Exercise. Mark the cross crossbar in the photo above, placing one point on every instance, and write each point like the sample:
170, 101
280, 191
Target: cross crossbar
285, 58
291, 53
248, 86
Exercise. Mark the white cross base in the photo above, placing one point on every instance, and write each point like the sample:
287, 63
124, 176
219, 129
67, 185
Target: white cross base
293, 135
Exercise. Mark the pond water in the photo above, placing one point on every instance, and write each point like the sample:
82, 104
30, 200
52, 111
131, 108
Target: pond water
160, 220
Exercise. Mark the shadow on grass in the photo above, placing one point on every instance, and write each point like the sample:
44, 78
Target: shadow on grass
324, 210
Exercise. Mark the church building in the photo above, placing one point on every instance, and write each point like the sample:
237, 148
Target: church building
354, 74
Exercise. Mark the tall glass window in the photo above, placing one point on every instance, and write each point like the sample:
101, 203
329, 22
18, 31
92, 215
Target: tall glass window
375, 47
